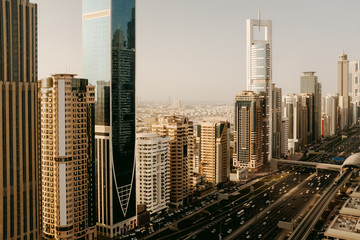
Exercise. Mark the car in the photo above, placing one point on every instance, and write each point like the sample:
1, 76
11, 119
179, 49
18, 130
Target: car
260, 235
264, 223
268, 212
229, 231
253, 206
248, 236
242, 222
213, 231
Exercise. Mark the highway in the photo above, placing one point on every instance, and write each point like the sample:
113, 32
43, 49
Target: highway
306, 226
265, 226
214, 224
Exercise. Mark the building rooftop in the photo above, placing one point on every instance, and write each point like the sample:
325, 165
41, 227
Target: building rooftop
351, 207
344, 227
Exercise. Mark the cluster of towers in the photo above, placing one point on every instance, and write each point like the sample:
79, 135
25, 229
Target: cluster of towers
71, 163
266, 125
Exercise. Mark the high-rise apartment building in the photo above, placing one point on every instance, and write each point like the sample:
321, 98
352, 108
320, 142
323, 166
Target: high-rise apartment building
331, 109
305, 124
181, 133
309, 84
259, 71
354, 75
215, 150
67, 108
343, 90
284, 148
19, 173
249, 130
276, 120
291, 112
153, 168
109, 64
325, 125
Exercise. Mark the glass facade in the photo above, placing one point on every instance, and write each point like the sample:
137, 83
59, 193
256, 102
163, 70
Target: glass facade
109, 64
260, 62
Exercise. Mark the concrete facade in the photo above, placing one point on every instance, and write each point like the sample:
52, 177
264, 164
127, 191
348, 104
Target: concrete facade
67, 107
153, 167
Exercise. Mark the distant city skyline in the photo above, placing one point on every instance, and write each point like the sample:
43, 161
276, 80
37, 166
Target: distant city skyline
196, 51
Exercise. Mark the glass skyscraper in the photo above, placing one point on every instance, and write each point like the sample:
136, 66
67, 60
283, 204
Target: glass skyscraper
109, 64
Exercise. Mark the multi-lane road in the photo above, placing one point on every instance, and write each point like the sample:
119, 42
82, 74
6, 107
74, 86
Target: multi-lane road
306, 226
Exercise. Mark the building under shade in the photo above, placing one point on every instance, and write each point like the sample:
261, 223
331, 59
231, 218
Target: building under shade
67, 116
309, 84
18, 121
109, 64
249, 131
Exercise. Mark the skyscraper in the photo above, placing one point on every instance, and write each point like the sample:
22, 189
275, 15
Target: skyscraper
305, 120
331, 109
259, 71
276, 120
67, 158
18, 120
343, 90
215, 150
181, 133
249, 129
309, 84
291, 112
153, 168
354, 76
109, 64
284, 146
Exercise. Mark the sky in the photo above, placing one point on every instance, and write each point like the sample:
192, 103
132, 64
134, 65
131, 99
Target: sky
195, 50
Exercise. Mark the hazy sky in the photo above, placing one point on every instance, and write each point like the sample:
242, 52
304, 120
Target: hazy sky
195, 50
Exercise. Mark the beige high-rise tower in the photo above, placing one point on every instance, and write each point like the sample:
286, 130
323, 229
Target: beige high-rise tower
67, 158
343, 90
181, 144
249, 131
215, 150
18, 121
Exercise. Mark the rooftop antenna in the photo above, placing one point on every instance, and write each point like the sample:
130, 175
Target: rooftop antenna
259, 19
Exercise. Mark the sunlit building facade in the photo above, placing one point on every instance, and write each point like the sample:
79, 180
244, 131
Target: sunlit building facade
331, 110
19, 160
343, 90
181, 144
67, 109
259, 71
215, 150
153, 168
354, 75
291, 112
109, 64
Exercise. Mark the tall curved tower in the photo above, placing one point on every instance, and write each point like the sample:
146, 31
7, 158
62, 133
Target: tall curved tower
109, 64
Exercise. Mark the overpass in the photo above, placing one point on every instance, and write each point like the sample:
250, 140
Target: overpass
352, 161
275, 162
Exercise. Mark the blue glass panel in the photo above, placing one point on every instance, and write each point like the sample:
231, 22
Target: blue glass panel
123, 100
89, 6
